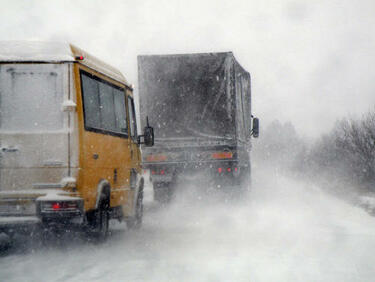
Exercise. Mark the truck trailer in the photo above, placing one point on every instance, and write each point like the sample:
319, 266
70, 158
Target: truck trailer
200, 107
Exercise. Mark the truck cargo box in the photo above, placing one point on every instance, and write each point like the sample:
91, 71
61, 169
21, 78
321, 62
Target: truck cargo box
195, 95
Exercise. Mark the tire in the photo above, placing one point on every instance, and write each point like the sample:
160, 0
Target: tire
245, 181
99, 220
163, 192
160, 194
136, 221
102, 223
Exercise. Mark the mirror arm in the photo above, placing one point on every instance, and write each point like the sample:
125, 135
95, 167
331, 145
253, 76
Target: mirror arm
142, 136
147, 122
139, 139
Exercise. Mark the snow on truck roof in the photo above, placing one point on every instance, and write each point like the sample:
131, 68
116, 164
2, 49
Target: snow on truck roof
54, 52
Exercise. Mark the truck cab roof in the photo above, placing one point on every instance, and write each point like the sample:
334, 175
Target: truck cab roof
54, 52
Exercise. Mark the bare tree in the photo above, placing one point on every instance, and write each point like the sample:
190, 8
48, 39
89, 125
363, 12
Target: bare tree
345, 155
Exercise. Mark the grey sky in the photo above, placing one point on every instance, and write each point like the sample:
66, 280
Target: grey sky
311, 61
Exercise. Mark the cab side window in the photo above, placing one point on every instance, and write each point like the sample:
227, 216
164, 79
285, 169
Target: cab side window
132, 119
104, 106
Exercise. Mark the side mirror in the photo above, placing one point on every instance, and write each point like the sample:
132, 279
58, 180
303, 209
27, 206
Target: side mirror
255, 130
148, 136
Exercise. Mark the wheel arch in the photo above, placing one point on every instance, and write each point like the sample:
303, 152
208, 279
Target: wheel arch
104, 187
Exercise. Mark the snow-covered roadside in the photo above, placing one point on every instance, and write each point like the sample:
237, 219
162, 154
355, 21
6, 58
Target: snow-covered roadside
368, 203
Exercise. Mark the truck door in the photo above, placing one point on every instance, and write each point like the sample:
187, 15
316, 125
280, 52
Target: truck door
104, 138
34, 139
134, 149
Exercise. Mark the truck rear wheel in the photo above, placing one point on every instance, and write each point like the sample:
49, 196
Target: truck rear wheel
163, 192
245, 179
99, 225
99, 219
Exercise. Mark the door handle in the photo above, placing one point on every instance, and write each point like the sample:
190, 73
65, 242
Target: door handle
9, 149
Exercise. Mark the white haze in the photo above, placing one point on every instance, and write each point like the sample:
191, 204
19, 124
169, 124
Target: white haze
311, 61
286, 231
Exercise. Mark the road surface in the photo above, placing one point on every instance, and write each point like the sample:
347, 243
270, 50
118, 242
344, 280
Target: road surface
287, 230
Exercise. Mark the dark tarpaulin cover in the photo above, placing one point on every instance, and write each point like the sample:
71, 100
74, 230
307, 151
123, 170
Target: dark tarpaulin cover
192, 95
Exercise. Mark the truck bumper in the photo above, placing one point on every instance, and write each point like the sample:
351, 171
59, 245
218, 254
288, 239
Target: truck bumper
67, 212
61, 212
218, 173
18, 224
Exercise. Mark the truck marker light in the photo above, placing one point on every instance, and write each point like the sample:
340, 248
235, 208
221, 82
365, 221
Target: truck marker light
156, 158
80, 58
222, 155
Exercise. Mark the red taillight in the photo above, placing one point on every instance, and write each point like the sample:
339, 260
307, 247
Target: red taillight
153, 172
235, 169
79, 58
219, 169
60, 206
229, 169
162, 172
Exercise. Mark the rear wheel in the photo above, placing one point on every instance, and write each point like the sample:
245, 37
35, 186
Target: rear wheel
245, 182
99, 219
102, 223
164, 191
161, 192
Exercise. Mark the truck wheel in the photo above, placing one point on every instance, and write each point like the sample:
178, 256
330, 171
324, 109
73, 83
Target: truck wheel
99, 220
245, 181
136, 221
102, 223
163, 192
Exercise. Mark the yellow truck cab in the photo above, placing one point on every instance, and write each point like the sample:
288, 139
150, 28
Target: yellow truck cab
69, 149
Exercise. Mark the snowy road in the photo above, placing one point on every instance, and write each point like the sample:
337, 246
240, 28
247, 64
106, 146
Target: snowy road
286, 231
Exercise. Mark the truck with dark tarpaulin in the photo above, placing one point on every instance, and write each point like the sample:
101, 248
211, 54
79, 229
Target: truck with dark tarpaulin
200, 107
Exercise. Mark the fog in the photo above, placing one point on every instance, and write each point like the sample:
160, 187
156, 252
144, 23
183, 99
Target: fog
310, 62
285, 231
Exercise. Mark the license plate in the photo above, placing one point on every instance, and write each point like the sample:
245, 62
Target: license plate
17, 207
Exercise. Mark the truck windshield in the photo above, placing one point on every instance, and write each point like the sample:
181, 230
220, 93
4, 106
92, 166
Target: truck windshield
31, 97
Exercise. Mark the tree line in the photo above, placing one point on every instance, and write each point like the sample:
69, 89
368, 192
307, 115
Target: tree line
345, 156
